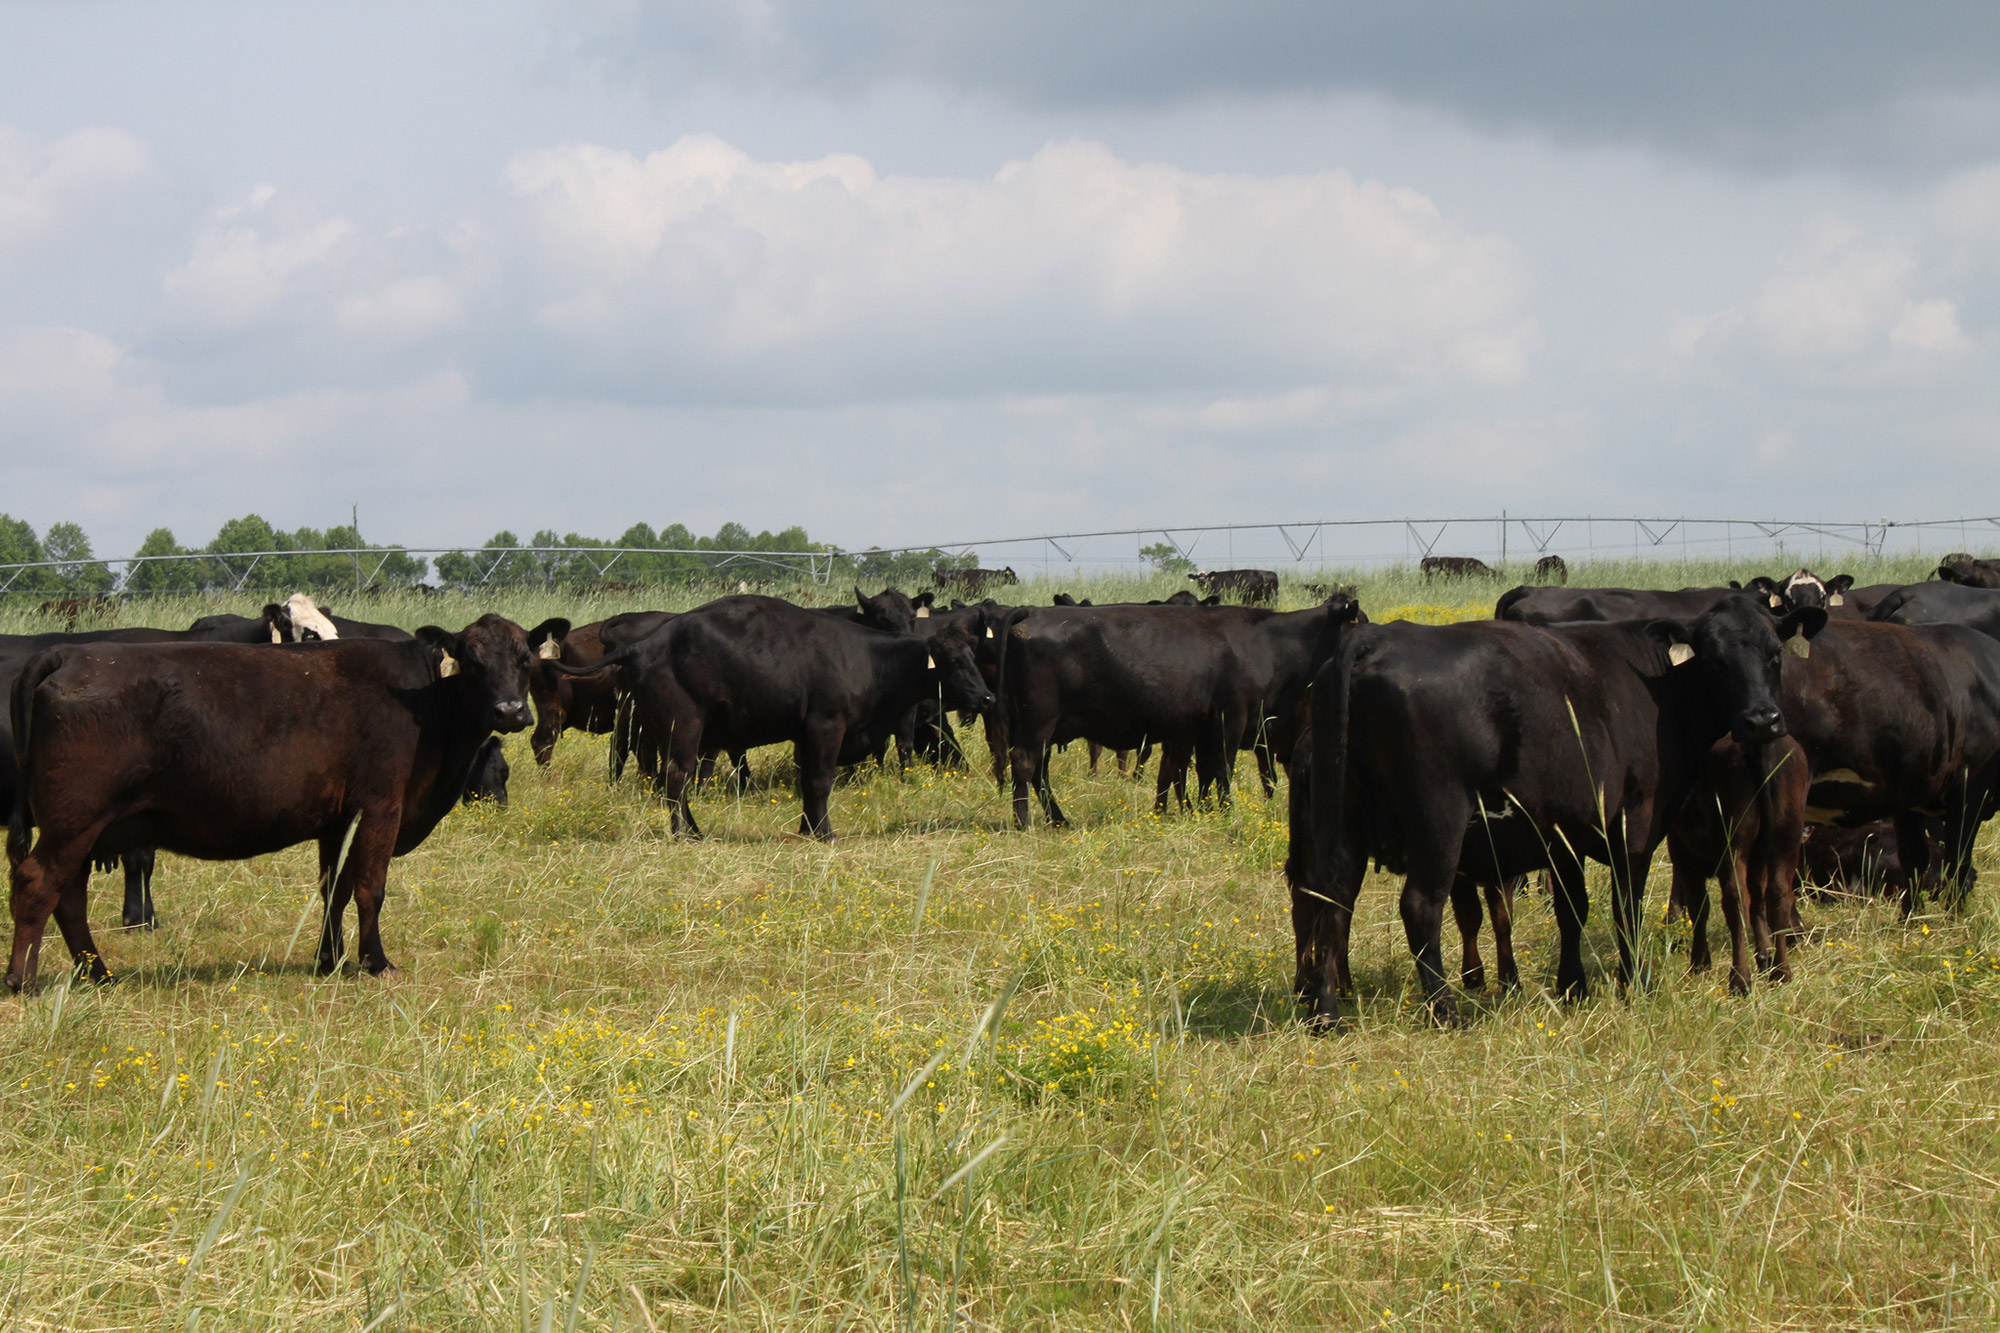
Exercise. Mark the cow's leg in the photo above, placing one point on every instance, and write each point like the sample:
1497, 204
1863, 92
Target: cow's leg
1735, 894
1172, 775
1045, 789
1500, 903
139, 889
704, 771
548, 729
1322, 918
817, 755
1267, 764
1433, 871
72, 913
1096, 753
682, 761
1025, 761
42, 881
1628, 896
366, 878
1215, 747
333, 894
1571, 901
1145, 753
1689, 895
739, 761
1913, 847
1465, 910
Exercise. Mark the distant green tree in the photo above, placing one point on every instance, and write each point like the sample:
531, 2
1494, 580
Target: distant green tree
20, 546
1165, 558
165, 575
79, 574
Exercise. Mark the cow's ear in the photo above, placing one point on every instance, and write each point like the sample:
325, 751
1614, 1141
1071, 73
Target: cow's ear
1344, 610
1799, 627
545, 640
444, 647
1734, 584
1838, 584
860, 599
1673, 638
926, 599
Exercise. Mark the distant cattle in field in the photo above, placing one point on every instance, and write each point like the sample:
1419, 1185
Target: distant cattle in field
221, 753
1326, 592
73, 609
1971, 571
1551, 569
1252, 587
1456, 567
972, 582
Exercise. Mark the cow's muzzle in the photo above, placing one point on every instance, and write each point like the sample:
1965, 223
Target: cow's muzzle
1764, 724
511, 715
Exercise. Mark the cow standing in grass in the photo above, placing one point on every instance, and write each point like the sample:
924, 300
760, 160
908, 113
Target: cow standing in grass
223, 752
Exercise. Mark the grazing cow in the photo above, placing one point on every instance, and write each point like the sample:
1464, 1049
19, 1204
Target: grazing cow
972, 582
215, 752
1194, 683
1942, 604
1857, 862
1491, 750
487, 778
1456, 567
748, 670
1958, 567
1551, 569
1326, 592
1252, 587
73, 609
569, 703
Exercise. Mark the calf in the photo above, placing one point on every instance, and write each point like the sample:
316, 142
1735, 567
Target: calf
216, 752
1252, 587
486, 780
1491, 750
1456, 567
749, 670
1959, 567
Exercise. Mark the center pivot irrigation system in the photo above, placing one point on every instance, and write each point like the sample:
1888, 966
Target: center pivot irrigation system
1304, 546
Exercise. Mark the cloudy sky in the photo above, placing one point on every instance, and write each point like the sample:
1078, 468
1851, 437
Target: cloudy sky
920, 270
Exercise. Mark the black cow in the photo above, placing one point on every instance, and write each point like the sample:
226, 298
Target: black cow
1555, 606
1958, 567
1456, 567
569, 703
215, 752
1551, 569
1491, 750
1803, 588
1196, 684
1857, 862
487, 778
972, 582
1252, 587
748, 670
1942, 604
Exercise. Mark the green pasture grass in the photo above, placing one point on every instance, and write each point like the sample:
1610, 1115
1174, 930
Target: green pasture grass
942, 1074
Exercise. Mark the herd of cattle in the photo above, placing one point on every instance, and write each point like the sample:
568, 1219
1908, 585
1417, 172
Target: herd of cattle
1577, 725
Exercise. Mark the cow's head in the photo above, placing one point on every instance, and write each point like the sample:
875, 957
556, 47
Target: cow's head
1737, 651
491, 662
952, 660
1806, 588
890, 609
297, 620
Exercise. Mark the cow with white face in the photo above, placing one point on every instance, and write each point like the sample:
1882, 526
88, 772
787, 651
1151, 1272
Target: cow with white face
297, 620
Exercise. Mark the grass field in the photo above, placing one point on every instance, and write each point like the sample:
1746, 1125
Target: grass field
942, 1072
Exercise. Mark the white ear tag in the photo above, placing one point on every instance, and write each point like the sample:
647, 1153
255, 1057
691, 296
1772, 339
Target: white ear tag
930, 663
1777, 600
447, 666
989, 631
923, 613
1797, 646
549, 650
1681, 654
1836, 600
275, 636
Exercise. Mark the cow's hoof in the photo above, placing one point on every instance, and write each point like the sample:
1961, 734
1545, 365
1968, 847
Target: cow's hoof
1473, 978
385, 970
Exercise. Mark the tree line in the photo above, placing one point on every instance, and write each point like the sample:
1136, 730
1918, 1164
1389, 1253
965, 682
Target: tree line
301, 559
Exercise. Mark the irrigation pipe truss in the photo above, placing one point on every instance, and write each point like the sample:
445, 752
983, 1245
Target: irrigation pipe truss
1493, 534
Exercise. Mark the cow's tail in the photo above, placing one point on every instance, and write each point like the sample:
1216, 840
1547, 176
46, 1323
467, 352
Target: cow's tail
998, 717
1329, 761
21, 711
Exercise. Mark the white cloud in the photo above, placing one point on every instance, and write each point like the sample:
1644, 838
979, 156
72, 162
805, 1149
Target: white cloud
1071, 262
245, 260
40, 184
401, 309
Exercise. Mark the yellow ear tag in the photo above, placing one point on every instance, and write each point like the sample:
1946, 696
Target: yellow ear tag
275, 636
1681, 654
923, 613
1836, 600
447, 666
549, 650
1777, 600
989, 631
930, 664
1797, 646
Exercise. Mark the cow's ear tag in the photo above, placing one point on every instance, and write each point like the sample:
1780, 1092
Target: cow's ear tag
1681, 654
447, 666
989, 631
1797, 646
1836, 600
550, 649
1777, 601
930, 663
275, 636
923, 613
